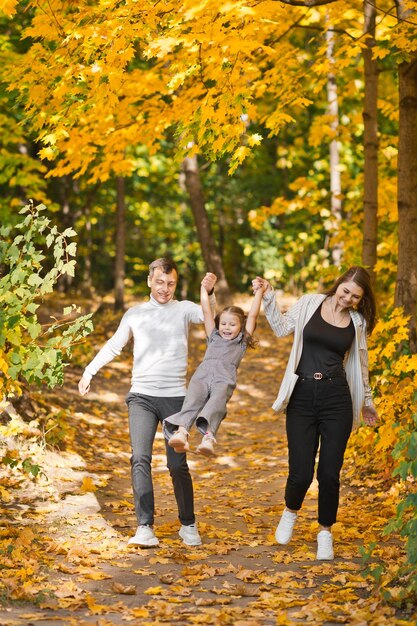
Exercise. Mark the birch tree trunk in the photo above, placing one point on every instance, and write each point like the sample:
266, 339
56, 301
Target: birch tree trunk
335, 181
370, 122
119, 264
211, 256
87, 284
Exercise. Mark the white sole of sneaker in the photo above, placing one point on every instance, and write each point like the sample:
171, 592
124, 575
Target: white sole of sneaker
179, 450
180, 446
151, 544
282, 543
187, 543
324, 558
206, 452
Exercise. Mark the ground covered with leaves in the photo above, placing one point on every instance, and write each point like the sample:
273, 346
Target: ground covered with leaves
64, 534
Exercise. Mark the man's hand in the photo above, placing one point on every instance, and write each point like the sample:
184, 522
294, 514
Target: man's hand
370, 415
209, 281
84, 386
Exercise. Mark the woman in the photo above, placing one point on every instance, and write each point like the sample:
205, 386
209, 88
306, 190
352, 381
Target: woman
324, 390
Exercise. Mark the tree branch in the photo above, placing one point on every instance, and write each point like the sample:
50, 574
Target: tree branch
305, 3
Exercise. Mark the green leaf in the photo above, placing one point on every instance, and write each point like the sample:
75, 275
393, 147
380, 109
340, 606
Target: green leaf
69, 232
35, 280
32, 307
50, 240
34, 329
17, 276
72, 249
15, 358
69, 268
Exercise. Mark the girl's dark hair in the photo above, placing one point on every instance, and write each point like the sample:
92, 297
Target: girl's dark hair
367, 305
251, 342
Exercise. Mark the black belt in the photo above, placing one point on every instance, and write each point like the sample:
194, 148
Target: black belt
321, 376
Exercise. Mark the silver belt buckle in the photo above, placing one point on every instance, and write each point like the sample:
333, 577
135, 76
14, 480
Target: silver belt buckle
318, 376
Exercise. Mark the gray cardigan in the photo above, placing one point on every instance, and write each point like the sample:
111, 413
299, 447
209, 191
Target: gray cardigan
356, 360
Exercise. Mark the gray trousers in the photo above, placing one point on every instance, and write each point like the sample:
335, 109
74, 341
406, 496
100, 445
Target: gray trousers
145, 413
205, 405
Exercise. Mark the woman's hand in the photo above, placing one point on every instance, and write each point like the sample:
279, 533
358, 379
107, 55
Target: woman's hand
370, 415
208, 282
261, 283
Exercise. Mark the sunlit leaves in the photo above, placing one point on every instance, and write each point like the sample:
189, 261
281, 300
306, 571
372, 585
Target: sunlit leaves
8, 7
394, 381
143, 70
27, 349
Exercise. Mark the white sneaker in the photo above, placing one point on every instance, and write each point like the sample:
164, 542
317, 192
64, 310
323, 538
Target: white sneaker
206, 446
190, 535
179, 440
144, 537
285, 527
325, 546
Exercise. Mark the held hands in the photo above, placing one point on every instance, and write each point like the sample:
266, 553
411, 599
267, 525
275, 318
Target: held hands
370, 415
262, 284
209, 281
84, 386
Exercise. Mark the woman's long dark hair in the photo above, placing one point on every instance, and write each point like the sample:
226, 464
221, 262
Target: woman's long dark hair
367, 305
236, 310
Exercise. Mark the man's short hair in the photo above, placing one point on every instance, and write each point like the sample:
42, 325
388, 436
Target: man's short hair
164, 264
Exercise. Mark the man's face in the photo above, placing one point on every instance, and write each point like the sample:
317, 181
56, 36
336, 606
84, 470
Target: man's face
162, 285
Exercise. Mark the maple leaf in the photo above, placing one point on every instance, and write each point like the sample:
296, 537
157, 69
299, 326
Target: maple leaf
87, 485
9, 7
96, 609
123, 589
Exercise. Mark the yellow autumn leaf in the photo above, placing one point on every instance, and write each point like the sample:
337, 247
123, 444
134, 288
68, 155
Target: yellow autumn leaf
139, 612
5, 495
47, 153
96, 609
4, 366
25, 537
8, 7
88, 485
129, 590
154, 591
96, 575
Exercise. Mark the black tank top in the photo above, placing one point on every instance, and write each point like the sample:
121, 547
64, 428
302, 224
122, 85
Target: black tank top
324, 346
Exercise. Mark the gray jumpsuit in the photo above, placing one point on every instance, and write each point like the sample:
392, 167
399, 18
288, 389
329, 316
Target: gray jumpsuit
211, 386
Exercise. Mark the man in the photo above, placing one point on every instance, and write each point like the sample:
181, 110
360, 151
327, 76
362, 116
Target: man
160, 329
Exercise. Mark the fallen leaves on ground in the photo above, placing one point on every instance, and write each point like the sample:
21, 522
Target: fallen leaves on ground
63, 541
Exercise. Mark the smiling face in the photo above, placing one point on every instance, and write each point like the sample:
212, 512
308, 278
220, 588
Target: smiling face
348, 295
229, 325
162, 285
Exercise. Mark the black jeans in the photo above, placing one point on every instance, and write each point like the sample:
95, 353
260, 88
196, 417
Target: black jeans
145, 413
319, 414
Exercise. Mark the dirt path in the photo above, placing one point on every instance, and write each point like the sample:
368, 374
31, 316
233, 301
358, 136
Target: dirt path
239, 575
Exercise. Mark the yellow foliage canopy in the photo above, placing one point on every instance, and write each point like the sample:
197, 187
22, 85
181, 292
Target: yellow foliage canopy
100, 78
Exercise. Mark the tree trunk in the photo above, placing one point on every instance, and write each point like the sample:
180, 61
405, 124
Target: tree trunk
209, 250
406, 287
119, 265
87, 284
370, 122
335, 181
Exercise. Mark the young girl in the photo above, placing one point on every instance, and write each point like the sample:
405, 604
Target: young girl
213, 382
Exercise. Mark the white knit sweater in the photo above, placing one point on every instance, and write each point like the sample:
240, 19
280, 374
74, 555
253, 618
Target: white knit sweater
160, 346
